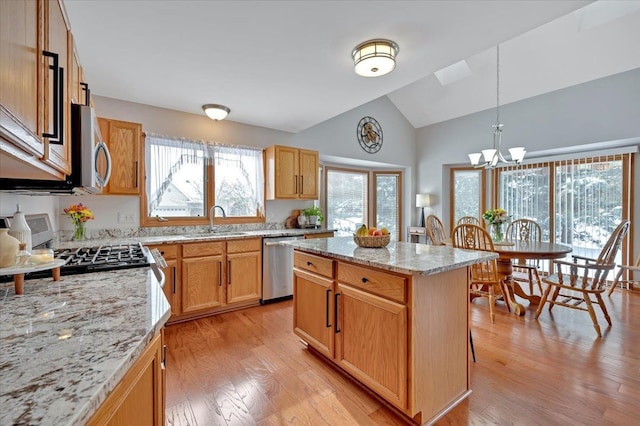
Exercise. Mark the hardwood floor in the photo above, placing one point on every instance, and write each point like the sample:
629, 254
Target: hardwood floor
247, 367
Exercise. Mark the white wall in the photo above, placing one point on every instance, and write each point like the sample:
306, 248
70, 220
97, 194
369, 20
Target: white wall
603, 110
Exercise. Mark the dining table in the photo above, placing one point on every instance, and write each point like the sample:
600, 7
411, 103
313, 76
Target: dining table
512, 251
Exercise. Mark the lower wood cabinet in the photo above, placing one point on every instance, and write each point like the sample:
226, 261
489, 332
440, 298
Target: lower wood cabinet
204, 278
172, 285
244, 270
314, 310
139, 398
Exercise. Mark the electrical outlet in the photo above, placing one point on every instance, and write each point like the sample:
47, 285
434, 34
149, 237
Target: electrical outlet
128, 217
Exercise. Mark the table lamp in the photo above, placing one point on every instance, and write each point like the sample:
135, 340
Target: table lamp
422, 201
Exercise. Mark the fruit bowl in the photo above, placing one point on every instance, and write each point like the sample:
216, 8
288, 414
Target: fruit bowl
372, 242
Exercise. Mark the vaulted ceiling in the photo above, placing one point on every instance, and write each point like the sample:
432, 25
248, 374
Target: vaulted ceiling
287, 65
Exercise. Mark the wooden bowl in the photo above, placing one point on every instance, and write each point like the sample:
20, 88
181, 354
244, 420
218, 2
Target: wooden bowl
372, 242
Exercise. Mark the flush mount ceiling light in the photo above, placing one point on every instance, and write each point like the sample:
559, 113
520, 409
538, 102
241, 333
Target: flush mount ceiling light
216, 112
374, 58
493, 156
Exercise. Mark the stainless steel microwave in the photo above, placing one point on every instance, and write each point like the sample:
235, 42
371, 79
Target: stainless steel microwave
90, 161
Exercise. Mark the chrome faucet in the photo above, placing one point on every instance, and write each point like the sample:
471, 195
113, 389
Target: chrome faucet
211, 213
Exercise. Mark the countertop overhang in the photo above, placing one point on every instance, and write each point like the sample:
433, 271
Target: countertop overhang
402, 257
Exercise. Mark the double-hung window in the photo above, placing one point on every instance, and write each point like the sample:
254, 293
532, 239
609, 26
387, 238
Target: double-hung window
185, 179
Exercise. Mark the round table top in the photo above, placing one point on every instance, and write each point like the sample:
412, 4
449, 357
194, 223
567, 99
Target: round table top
532, 250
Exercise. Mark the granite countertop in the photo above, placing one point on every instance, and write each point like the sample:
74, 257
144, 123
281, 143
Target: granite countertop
65, 345
406, 258
199, 237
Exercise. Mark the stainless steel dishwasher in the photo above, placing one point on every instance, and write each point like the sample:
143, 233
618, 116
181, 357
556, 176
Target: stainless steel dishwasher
277, 269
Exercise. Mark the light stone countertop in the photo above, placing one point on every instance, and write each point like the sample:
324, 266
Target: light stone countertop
191, 238
402, 257
65, 345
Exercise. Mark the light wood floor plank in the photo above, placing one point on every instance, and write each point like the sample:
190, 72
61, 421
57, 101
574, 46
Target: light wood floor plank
247, 367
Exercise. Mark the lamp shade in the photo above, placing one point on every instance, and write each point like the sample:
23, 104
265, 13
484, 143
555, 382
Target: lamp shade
423, 200
374, 58
215, 111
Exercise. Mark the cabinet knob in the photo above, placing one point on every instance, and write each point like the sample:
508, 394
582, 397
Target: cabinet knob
309, 263
364, 280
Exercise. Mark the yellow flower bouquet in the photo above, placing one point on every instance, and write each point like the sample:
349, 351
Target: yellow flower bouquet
496, 218
79, 214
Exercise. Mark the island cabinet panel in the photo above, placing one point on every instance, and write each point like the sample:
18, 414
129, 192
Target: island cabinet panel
404, 336
373, 343
381, 283
313, 310
202, 279
139, 397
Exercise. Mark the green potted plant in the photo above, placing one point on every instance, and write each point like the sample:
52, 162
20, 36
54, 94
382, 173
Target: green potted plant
313, 214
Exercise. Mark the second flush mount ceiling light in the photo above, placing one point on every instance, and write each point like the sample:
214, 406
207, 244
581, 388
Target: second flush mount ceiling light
374, 58
216, 112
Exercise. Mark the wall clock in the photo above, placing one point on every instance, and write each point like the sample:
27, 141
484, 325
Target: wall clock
369, 134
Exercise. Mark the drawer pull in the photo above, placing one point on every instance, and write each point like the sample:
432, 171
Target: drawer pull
309, 263
335, 318
326, 309
364, 280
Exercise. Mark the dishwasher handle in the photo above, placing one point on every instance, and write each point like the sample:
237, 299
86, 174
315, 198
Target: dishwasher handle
277, 243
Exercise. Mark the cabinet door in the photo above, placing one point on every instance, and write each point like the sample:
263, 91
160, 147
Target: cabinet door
123, 140
286, 172
57, 153
244, 276
139, 397
19, 62
308, 174
313, 311
372, 342
172, 286
201, 283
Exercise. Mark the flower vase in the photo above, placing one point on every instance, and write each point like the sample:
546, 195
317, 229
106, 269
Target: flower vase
81, 232
497, 234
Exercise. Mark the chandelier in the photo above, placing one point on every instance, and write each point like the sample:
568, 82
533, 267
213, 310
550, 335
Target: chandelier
493, 156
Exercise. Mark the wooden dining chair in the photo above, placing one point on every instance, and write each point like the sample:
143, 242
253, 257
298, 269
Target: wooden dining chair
629, 281
526, 230
575, 282
484, 280
435, 230
469, 219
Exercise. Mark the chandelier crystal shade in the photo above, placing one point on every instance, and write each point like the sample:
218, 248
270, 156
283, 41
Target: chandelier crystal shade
374, 58
216, 112
489, 158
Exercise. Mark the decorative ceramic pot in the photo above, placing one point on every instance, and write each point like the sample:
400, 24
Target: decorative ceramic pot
8, 248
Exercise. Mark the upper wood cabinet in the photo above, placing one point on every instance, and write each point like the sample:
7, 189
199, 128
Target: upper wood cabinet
35, 100
291, 173
57, 109
124, 142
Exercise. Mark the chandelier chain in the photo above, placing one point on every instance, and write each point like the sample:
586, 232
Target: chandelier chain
498, 84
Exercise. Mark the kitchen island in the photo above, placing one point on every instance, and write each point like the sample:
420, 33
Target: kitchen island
396, 319
66, 345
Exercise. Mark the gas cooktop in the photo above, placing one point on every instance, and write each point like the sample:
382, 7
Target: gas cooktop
96, 259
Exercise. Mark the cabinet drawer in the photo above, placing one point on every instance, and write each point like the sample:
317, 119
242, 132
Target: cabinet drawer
316, 264
377, 282
202, 249
243, 246
168, 251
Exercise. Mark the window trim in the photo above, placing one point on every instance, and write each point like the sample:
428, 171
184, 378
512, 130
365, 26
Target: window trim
483, 192
627, 191
374, 212
146, 221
